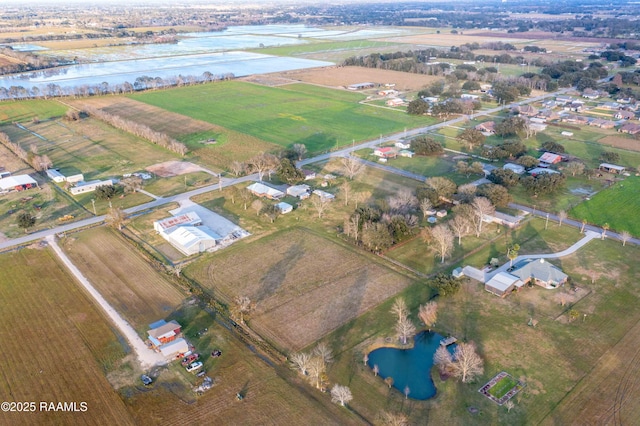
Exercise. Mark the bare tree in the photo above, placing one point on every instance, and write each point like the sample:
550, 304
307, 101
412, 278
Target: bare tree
425, 207
365, 358
562, 215
376, 369
301, 361
237, 168
467, 363
260, 164
320, 204
317, 372
299, 149
443, 359
323, 352
442, 237
399, 308
407, 391
509, 405
246, 196
405, 329
443, 186
389, 381
131, 183
459, 225
428, 314
351, 166
605, 228
584, 223
625, 236
116, 217
403, 201
361, 197
341, 394
574, 167
482, 207
257, 205
393, 419
345, 191
242, 306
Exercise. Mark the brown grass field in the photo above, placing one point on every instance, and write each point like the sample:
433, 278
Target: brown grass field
621, 142
56, 345
123, 277
344, 76
231, 145
304, 285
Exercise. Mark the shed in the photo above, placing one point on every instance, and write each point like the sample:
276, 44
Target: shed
549, 158
324, 195
75, 178
502, 283
91, 186
284, 207
17, 182
55, 175
300, 191
541, 170
261, 190
308, 174
191, 239
174, 349
612, 168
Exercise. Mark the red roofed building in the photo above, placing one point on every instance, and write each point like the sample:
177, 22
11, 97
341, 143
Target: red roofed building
549, 158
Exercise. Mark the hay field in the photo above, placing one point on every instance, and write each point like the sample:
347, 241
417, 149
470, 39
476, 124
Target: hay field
621, 142
344, 76
56, 345
230, 145
125, 279
26, 110
304, 285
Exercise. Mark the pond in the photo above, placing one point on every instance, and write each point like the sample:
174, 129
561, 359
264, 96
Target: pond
410, 367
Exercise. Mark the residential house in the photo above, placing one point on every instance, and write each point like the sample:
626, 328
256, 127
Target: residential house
601, 123
548, 115
403, 145
503, 219
590, 94
539, 272
624, 115
487, 127
261, 190
561, 100
575, 106
385, 152
55, 175
395, 102
574, 119
470, 97
526, 110
630, 128
300, 191
613, 106
84, 187
324, 195
406, 153
308, 174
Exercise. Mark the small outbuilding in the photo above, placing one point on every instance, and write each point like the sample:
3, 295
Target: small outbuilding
284, 207
174, 349
515, 168
612, 168
300, 191
502, 284
83, 187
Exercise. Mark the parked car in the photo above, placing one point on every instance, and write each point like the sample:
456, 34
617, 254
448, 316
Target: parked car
189, 359
194, 366
146, 380
216, 353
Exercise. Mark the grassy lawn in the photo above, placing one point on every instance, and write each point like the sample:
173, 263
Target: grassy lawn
618, 206
575, 191
296, 113
39, 300
177, 184
503, 386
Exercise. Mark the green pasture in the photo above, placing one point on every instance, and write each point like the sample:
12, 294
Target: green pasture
618, 206
575, 191
315, 47
284, 116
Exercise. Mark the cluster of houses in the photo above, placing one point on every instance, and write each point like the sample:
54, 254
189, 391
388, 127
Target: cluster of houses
399, 149
300, 191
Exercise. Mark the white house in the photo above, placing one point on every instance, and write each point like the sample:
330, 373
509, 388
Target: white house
55, 175
261, 190
515, 168
406, 153
300, 191
324, 195
403, 145
90, 186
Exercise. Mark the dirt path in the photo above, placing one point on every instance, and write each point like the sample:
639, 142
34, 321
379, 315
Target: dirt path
146, 356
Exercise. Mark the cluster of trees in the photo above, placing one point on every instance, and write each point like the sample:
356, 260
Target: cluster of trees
140, 130
543, 183
38, 162
465, 363
378, 227
424, 145
313, 365
27, 61
404, 327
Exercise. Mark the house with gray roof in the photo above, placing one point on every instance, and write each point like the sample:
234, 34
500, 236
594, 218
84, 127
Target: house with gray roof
539, 272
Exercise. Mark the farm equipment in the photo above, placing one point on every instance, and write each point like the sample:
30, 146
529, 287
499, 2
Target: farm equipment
65, 218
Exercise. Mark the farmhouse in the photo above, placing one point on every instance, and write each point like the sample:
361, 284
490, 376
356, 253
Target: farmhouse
402, 145
539, 272
162, 332
502, 284
487, 127
386, 152
17, 183
261, 190
300, 191
549, 158
406, 153
90, 186
630, 128
611, 168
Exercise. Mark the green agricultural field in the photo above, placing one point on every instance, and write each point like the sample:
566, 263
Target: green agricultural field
618, 206
57, 345
284, 116
25, 111
316, 47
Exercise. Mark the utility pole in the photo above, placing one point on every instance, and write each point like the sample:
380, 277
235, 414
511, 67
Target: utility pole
93, 201
546, 223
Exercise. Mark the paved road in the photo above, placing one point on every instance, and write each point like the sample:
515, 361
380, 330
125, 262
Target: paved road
147, 357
